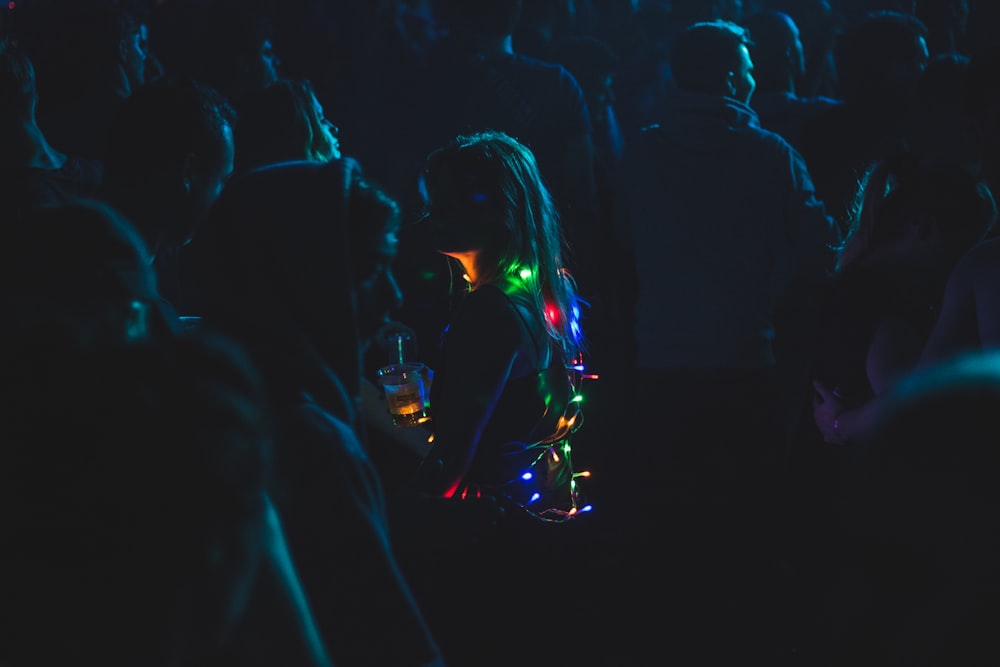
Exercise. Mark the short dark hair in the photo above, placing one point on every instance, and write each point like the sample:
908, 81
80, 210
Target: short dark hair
869, 53
704, 53
494, 17
159, 126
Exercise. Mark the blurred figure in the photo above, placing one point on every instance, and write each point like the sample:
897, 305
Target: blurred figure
228, 45
104, 560
170, 151
911, 225
917, 583
982, 98
779, 66
968, 320
283, 122
879, 58
712, 270
938, 128
80, 302
273, 267
78, 284
107, 65
947, 24
612, 341
32, 171
82, 263
820, 23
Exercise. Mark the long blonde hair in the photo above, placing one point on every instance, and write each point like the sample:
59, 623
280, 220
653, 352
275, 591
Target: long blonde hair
498, 176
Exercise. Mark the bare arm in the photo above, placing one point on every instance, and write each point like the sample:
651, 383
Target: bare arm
893, 352
957, 326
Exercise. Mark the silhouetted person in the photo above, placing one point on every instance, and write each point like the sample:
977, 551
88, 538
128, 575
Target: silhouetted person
879, 58
136, 540
917, 585
104, 56
911, 224
819, 22
982, 97
226, 44
283, 122
32, 171
938, 127
103, 557
724, 221
779, 65
170, 151
273, 269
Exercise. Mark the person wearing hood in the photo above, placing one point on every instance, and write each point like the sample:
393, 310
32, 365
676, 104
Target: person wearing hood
275, 270
725, 225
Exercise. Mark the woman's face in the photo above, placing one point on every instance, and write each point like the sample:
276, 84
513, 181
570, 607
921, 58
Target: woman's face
326, 145
460, 221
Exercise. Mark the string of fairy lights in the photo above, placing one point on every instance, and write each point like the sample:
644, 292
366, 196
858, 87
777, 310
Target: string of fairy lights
548, 488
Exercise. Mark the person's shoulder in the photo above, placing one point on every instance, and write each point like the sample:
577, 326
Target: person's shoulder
485, 301
762, 142
486, 309
765, 136
543, 70
311, 422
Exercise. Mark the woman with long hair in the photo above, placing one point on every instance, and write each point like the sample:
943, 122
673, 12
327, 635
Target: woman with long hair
500, 383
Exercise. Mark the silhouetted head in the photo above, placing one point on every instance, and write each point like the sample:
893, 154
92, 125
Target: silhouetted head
129, 44
170, 150
983, 99
777, 52
281, 123
232, 48
713, 58
937, 126
937, 211
273, 265
496, 18
82, 45
594, 64
880, 57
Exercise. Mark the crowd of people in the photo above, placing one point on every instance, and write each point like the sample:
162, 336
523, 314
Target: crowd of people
754, 243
